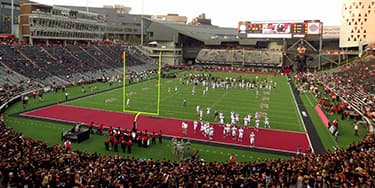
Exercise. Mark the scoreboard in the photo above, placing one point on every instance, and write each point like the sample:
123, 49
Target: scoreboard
285, 29
299, 30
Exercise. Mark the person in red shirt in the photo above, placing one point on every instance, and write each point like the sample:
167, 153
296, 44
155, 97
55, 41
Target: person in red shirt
34, 94
232, 159
115, 145
91, 125
123, 145
110, 130
129, 144
67, 144
106, 144
100, 130
111, 139
145, 139
139, 139
335, 123
117, 134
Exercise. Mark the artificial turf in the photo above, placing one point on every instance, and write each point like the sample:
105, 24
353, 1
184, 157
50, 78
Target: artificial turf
282, 112
281, 109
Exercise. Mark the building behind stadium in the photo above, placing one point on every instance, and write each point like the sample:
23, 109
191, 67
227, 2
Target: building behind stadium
179, 42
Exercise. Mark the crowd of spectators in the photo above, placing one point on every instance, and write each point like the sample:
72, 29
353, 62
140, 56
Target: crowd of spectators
27, 162
261, 57
220, 68
353, 82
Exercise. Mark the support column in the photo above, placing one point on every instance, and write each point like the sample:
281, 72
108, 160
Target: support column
320, 45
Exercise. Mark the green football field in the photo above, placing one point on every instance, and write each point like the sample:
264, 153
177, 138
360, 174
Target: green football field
278, 103
50, 131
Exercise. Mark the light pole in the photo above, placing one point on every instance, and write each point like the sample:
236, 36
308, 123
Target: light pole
142, 6
12, 17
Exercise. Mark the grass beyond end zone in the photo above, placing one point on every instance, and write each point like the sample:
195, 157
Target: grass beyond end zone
50, 132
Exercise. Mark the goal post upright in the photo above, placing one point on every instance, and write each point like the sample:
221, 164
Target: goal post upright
138, 113
124, 81
159, 78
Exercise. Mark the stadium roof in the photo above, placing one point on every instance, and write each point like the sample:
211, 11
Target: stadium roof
208, 34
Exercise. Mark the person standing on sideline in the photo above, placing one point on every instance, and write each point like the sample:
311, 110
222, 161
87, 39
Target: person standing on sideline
232, 159
195, 123
252, 139
160, 137
184, 128
153, 141
67, 144
129, 144
356, 128
66, 95
127, 102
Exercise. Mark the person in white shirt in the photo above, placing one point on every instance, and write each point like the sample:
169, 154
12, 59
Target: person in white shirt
226, 130
246, 121
249, 117
211, 133
257, 124
198, 109
184, 127
195, 123
221, 118
202, 127
237, 118
267, 122
127, 103
234, 132
252, 139
240, 134
208, 111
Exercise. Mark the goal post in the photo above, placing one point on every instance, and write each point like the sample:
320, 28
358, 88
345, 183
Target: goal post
124, 108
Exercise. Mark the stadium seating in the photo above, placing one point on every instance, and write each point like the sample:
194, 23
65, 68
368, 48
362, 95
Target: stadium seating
58, 65
353, 82
250, 57
27, 162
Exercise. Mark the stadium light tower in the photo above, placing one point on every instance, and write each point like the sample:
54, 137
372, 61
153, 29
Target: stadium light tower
142, 6
12, 17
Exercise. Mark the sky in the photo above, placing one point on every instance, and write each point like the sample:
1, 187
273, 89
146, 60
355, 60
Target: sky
227, 13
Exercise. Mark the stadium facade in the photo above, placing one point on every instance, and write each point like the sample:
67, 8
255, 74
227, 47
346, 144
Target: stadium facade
120, 24
5, 15
357, 23
44, 22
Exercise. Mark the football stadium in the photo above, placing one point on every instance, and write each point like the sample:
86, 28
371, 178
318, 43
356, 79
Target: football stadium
101, 97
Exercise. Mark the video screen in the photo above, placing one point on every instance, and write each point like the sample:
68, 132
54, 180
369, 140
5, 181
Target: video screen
279, 28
